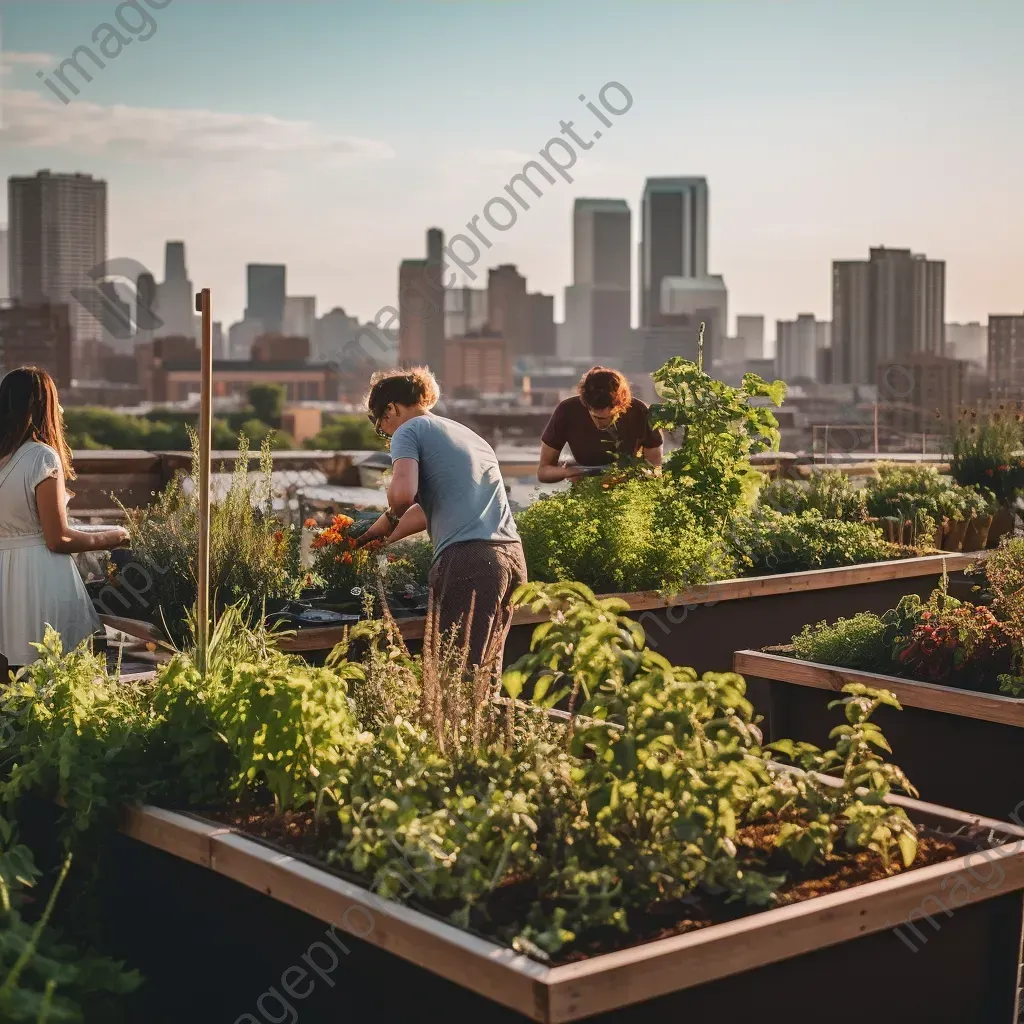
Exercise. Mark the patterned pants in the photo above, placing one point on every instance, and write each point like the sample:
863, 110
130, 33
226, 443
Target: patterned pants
492, 571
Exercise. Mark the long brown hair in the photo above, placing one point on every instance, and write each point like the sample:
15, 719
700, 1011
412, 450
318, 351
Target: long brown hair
30, 411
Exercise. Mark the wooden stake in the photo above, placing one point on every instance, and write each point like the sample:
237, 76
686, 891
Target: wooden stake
203, 483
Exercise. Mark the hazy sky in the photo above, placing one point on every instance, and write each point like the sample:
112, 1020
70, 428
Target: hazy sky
330, 135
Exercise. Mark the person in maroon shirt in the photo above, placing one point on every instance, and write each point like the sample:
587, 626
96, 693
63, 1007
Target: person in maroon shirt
603, 423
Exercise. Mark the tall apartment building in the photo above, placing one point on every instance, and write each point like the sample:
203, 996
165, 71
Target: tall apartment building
673, 238
421, 307
478, 362
885, 308
300, 316
465, 310
542, 324
1005, 352
969, 342
265, 295
798, 347
597, 303
508, 309
921, 393
57, 235
750, 334
37, 334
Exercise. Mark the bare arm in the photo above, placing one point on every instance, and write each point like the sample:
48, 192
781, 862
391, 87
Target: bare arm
653, 455
548, 470
61, 538
405, 482
414, 521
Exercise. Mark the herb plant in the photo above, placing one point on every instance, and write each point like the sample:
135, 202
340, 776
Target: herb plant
720, 426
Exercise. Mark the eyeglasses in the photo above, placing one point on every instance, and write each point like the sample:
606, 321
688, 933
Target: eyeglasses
375, 420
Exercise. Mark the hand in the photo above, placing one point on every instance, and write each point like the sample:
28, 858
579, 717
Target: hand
122, 538
573, 474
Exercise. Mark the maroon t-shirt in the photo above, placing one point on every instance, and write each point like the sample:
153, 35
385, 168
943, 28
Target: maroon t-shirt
571, 425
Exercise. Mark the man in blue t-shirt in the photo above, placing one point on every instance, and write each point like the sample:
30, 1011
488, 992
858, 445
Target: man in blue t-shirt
446, 480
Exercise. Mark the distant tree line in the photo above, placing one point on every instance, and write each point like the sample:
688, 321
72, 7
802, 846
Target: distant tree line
93, 428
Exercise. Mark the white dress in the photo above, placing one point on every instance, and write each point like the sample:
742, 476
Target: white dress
37, 586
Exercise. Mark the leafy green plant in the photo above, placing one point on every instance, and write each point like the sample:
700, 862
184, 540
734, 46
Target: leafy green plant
721, 427
766, 541
252, 555
830, 493
987, 453
855, 811
921, 496
651, 794
638, 535
858, 642
43, 979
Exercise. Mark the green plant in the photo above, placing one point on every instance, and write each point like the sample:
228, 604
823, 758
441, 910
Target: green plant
43, 979
831, 493
856, 810
987, 453
346, 432
721, 427
764, 541
858, 642
252, 555
652, 794
636, 535
920, 495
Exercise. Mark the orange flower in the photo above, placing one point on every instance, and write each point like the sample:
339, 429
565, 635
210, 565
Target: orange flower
337, 559
342, 522
347, 558
310, 523
278, 536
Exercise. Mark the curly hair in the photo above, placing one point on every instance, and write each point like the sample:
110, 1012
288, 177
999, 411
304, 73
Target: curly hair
603, 388
415, 386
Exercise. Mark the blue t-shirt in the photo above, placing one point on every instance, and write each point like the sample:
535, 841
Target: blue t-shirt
460, 490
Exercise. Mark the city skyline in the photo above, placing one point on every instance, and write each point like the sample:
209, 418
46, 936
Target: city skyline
250, 168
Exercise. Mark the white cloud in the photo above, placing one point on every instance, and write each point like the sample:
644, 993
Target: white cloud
10, 58
32, 121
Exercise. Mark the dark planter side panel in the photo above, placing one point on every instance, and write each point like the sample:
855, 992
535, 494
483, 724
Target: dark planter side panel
954, 761
215, 951
704, 636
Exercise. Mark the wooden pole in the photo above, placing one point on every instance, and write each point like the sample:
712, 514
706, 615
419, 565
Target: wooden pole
203, 483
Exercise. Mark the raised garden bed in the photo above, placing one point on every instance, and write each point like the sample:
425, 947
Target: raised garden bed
218, 919
962, 748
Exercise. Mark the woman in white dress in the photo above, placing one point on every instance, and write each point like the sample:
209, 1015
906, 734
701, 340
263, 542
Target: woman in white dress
39, 582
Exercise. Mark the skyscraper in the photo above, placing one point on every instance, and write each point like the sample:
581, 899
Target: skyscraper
1005, 351
798, 347
750, 332
175, 299
883, 308
421, 307
57, 235
597, 303
300, 316
265, 295
673, 238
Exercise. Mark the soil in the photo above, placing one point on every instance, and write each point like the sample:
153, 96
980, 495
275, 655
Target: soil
295, 833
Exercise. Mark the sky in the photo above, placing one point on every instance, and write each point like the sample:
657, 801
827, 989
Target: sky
330, 135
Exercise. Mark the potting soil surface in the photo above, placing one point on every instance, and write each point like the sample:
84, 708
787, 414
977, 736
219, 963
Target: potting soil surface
510, 903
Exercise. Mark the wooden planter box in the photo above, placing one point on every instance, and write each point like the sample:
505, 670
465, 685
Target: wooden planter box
757, 611
218, 920
960, 748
